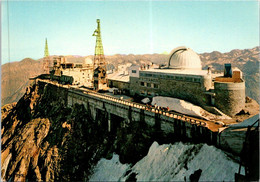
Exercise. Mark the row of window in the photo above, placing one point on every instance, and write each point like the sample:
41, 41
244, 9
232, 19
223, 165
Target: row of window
182, 78
149, 79
150, 85
148, 93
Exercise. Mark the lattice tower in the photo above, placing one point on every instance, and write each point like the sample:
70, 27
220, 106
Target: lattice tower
46, 58
99, 58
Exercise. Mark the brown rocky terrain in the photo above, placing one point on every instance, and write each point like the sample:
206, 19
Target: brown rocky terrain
15, 75
43, 140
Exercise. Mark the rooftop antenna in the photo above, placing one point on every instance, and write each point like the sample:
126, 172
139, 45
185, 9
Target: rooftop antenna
46, 58
46, 51
99, 67
99, 58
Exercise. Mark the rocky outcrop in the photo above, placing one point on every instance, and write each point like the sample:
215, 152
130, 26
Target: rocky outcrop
25, 150
27, 145
44, 140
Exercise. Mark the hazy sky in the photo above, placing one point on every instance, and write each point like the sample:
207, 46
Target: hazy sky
136, 27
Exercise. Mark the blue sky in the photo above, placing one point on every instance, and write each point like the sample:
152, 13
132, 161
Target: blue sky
128, 27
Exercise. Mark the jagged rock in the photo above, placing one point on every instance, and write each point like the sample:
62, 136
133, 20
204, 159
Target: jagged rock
26, 144
43, 140
248, 99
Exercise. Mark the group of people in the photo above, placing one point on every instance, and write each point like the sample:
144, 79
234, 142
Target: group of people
156, 107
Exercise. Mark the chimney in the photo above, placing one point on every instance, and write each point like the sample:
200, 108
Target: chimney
227, 70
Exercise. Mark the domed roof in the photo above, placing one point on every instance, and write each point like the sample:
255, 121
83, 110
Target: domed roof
184, 58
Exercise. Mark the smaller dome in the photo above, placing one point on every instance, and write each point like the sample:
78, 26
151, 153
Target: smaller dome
88, 61
184, 58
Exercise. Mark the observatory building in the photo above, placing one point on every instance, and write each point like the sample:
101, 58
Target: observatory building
184, 78
81, 70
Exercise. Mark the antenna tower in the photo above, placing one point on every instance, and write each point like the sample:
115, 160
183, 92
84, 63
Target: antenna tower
99, 58
46, 68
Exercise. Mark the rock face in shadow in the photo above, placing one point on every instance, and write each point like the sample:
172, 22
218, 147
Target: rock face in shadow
44, 140
26, 152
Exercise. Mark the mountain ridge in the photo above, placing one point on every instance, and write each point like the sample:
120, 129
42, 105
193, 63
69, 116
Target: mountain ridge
15, 75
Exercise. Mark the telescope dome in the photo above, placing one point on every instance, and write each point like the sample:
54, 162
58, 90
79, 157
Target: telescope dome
184, 58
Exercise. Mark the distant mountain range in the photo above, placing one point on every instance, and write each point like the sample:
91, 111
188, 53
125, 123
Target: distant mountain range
15, 76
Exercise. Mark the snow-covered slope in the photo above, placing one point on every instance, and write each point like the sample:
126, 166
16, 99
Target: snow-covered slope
109, 170
185, 107
170, 163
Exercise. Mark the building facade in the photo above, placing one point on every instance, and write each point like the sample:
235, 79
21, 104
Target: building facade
184, 78
82, 72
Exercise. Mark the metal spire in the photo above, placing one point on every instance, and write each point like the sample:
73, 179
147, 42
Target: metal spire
46, 58
99, 58
46, 51
99, 68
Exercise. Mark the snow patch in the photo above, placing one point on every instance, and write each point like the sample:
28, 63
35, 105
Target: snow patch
185, 107
109, 170
171, 162
111, 90
145, 100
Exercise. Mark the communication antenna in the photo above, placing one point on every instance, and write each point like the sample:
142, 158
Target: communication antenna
46, 59
99, 67
99, 58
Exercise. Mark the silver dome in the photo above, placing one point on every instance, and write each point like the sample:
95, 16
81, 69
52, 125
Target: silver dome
184, 58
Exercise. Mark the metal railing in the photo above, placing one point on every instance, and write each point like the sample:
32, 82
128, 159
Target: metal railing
170, 114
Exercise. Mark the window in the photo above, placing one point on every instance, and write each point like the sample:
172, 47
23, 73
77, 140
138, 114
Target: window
178, 78
133, 71
189, 79
78, 65
142, 83
148, 75
155, 86
196, 80
148, 84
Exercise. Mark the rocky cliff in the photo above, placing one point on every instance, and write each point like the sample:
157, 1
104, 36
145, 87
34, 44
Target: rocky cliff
43, 140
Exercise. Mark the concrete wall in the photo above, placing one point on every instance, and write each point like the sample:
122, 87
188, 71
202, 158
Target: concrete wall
230, 97
81, 76
134, 85
134, 71
184, 88
118, 84
177, 126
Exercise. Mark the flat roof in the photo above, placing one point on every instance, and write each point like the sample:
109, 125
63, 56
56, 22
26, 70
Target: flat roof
180, 71
177, 71
117, 76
